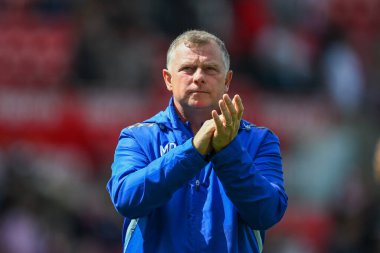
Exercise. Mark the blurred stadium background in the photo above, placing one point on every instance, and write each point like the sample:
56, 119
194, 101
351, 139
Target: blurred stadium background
73, 73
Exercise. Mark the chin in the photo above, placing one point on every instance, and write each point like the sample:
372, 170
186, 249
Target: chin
201, 104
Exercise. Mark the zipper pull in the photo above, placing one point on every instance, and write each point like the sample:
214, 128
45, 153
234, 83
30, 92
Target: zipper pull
197, 185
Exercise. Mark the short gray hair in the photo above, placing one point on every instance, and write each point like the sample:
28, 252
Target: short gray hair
199, 38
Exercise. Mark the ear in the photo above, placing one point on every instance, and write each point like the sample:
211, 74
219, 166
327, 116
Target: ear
168, 79
227, 81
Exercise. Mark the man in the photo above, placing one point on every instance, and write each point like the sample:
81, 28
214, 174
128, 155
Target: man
196, 177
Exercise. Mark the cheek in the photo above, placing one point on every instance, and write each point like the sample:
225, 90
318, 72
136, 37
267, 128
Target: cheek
178, 89
222, 87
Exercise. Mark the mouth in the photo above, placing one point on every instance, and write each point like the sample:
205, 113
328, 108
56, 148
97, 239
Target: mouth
198, 92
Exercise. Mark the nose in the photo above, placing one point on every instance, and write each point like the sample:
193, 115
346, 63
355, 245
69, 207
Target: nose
198, 76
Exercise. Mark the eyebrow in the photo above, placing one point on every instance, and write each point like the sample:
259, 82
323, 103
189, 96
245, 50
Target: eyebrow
187, 64
211, 64
206, 64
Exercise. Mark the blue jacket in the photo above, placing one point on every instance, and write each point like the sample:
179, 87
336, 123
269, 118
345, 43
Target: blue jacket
175, 200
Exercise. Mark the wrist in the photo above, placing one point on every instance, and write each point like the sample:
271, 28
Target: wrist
202, 149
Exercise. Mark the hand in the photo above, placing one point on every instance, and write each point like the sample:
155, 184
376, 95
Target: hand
202, 139
227, 124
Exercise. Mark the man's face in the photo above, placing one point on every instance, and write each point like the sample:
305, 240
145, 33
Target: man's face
197, 77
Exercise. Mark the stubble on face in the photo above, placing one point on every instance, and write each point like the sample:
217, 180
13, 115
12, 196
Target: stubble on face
198, 76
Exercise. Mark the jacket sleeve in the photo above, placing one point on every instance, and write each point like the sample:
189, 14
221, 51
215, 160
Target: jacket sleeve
254, 182
138, 186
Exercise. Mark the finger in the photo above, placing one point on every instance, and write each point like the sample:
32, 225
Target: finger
218, 123
230, 106
202, 139
226, 113
208, 125
238, 103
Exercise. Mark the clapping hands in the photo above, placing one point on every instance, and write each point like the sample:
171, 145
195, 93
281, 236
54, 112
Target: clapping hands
218, 132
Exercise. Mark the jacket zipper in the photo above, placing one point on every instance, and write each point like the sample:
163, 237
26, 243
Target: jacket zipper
197, 185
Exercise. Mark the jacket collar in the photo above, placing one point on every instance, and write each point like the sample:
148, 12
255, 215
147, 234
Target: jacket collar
168, 118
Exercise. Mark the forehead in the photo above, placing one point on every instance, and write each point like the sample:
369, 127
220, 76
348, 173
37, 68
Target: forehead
186, 51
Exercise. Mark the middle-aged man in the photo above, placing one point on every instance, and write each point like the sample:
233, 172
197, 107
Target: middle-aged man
196, 177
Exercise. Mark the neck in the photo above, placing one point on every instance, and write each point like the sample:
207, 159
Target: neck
196, 117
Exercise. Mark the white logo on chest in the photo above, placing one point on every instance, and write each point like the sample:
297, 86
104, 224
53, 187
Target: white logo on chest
167, 148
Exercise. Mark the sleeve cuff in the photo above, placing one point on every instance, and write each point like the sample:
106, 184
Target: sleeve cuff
232, 153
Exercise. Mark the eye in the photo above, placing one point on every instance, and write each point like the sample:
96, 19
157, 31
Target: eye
187, 69
211, 69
